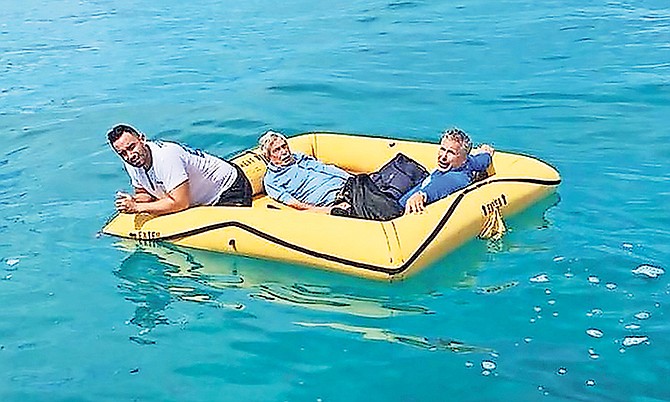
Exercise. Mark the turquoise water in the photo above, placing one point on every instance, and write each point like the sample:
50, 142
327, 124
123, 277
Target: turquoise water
541, 315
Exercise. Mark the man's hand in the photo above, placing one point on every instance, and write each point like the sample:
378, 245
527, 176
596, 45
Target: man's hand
125, 203
416, 203
484, 148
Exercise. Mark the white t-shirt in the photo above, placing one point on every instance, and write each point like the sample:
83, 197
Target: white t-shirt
172, 164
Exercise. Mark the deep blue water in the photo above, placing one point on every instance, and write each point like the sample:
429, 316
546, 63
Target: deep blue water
584, 86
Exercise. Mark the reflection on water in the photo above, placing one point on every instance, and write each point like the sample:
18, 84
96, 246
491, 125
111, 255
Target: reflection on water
153, 275
319, 297
379, 334
144, 284
497, 288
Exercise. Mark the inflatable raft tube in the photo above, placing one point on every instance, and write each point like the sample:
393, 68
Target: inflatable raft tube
378, 250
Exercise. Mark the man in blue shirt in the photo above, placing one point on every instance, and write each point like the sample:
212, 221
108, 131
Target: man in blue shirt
298, 180
456, 168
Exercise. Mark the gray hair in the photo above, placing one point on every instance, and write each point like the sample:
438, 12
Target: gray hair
267, 139
458, 135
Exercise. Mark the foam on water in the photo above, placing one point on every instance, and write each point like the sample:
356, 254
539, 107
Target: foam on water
634, 340
643, 315
540, 278
594, 333
649, 271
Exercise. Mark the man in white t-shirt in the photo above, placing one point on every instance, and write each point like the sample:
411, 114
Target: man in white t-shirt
169, 177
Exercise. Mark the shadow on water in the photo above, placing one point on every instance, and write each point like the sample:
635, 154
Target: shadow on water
154, 275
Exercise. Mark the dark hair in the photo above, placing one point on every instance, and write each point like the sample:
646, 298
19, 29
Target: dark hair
118, 130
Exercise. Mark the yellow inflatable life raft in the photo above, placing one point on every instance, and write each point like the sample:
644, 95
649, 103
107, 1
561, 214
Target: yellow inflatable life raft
380, 250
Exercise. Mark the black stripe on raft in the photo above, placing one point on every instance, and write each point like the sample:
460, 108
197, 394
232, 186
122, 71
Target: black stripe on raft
356, 264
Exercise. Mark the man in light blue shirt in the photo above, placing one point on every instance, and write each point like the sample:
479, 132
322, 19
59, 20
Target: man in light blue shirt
456, 168
298, 180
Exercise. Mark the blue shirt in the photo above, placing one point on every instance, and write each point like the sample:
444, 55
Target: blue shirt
440, 184
305, 180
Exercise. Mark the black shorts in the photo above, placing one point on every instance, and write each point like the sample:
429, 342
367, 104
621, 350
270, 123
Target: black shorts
239, 194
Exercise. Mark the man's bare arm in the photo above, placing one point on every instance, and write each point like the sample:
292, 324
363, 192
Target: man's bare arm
141, 195
176, 200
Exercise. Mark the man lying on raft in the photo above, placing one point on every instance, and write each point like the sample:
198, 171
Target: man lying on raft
298, 180
457, 166
169, 177
305, 183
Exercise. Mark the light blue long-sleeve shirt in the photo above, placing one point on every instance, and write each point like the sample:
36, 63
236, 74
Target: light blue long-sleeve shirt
306, 180
440, 184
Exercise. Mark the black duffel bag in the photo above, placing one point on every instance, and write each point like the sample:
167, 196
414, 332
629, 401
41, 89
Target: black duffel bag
399, 175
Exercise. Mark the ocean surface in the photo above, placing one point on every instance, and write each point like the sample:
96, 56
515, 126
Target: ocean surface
552, 312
